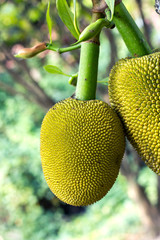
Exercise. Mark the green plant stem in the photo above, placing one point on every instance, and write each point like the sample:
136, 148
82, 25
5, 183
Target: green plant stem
131, 34
88, 68
62, 50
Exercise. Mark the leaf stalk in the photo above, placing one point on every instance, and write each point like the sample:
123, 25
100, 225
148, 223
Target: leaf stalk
62, 50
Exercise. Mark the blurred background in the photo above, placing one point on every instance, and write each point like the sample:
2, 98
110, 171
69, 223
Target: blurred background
28, 209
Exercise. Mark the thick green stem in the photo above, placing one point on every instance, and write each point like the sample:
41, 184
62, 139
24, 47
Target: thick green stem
132, 36
88, 68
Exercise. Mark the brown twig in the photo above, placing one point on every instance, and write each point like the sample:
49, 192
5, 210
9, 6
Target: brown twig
99, 8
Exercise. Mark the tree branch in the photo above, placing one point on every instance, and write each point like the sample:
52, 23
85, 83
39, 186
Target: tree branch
36, 93
23, 65
149, 215
146, 26
44, 102
9, 89
98, 9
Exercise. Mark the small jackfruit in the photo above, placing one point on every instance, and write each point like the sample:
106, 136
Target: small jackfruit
134, 92
82, 145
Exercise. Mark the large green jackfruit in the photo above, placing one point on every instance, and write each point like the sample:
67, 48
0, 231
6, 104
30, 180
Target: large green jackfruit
82, 145
134, 90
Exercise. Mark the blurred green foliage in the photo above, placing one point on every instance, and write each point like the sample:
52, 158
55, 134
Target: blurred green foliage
28, 210
18, 18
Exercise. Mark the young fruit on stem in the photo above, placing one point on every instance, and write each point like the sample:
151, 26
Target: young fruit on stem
94, 29
82, 139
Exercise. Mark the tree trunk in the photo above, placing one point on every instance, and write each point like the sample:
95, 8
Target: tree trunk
149, 214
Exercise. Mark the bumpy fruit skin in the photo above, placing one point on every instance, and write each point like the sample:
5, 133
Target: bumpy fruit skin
134, 90
82, 145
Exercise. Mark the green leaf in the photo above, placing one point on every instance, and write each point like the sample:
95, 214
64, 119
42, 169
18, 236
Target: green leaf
55, 70
110, 4
67, 16
49, 22
75, 19
104, 81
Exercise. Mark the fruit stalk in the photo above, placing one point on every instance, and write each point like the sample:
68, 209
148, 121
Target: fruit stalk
88, 69
131, 34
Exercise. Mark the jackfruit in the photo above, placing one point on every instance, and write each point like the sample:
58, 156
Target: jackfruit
134, 92
82, 145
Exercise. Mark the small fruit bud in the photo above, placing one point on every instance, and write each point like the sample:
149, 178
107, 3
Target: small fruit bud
93, 29
73, 79
31, 52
